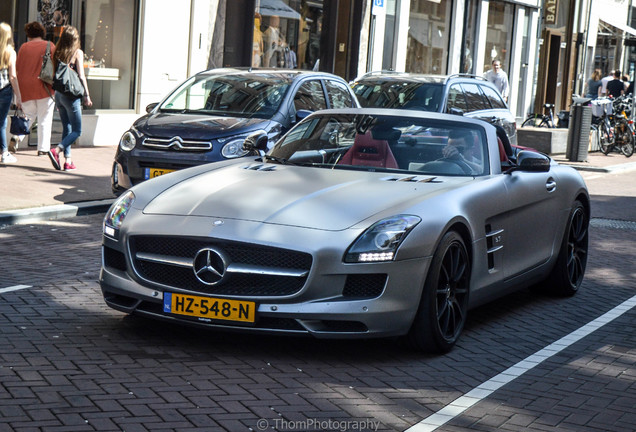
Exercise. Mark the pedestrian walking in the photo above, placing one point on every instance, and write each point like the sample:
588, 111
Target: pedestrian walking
37, 96
594, 85
8, 87
604, 82
499, 78
68, 51
615, 87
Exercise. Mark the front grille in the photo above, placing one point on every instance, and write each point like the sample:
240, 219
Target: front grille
364, 285
273, 271
177, 143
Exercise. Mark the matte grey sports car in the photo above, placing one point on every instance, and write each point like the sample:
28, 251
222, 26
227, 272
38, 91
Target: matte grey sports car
357, 223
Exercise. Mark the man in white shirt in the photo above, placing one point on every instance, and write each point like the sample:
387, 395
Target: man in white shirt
604, 82
499, 78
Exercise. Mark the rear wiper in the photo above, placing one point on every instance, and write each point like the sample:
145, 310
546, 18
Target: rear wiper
281, 161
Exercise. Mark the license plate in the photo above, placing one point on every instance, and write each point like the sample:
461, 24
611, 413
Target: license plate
155, 172
209, 308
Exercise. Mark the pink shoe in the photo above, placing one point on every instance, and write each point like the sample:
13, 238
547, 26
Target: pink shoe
69, 167
55, 158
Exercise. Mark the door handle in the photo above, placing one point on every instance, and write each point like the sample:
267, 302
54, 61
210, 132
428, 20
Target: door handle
551, 185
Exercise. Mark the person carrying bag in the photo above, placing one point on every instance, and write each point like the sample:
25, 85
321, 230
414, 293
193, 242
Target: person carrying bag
71, 90
35, 76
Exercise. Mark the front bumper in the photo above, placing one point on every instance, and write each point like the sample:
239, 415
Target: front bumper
324, 306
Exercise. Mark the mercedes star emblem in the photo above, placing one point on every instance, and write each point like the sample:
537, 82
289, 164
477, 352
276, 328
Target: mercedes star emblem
209, 266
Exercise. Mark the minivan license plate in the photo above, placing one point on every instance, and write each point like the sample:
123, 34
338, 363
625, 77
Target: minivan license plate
155, 172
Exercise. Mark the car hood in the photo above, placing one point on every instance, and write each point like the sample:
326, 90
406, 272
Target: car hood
197, 125
297, 196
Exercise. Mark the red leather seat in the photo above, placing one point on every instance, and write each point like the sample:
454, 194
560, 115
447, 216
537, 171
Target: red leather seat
367, 151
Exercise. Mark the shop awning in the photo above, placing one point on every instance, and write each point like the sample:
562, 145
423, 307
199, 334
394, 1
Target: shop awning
277, 8
615, 22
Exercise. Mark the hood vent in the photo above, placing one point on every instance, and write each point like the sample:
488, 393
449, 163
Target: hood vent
413, 179
260, 167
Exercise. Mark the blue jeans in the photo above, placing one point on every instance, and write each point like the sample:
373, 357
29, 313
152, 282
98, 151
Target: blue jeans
71, 116
6, 96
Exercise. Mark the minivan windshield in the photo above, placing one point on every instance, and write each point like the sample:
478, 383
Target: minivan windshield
399, 94
253, 96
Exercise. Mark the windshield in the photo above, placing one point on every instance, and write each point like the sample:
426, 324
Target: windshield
252, 95
385, 143
399, 94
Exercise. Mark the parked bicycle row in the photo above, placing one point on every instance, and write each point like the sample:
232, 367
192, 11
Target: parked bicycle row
612, 122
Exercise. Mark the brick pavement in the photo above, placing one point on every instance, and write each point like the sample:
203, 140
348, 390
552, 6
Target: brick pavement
71, 363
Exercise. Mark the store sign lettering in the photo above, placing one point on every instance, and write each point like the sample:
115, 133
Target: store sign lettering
550, 11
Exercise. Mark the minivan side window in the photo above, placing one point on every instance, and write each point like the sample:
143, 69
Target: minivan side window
456, 99
474, 97
339, 96
494, 98
310, 97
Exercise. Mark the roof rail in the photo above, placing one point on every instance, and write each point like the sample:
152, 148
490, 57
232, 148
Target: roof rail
466, 75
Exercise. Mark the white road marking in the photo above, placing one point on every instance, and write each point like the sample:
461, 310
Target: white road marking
461, 404
14, 288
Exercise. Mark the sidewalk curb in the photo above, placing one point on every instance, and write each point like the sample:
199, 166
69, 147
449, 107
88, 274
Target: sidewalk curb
609, 169
35, 214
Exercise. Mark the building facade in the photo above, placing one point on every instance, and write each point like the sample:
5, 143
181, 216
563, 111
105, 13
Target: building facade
139, 50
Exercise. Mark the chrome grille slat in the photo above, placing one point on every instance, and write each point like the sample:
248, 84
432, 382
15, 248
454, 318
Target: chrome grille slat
177, 143
232, 268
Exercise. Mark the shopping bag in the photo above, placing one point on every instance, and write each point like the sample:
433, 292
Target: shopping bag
19, 123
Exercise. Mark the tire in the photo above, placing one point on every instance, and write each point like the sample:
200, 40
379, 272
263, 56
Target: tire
567, 275
442, 312
605, 143
627, 140
534, 121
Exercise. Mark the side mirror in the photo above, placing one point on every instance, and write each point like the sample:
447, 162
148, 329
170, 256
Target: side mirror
456, 111
151, 106
301, 114
531, 161
256, 143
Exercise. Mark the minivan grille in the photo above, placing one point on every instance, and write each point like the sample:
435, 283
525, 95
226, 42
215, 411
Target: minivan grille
177, 143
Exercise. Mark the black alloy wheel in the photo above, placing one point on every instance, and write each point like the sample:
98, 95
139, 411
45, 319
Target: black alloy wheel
442, 313
567, 275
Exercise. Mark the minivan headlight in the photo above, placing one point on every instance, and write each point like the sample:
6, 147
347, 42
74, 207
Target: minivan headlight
127, 141
234, 149
381, 240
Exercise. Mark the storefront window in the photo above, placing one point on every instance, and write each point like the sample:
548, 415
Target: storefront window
499, 34
287, 33
108, 39
428, 38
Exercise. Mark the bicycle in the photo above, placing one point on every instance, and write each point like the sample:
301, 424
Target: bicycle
615, 130
541, 120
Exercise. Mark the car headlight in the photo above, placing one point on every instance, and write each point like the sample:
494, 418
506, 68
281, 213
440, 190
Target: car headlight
380, 241
127, 141
117, 213
234, 149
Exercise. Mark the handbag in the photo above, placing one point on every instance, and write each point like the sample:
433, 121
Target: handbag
67, 81
47, 74
19, 123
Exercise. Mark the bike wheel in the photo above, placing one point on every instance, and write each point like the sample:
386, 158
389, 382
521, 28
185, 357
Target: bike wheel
534, 121
627, 139
605, 143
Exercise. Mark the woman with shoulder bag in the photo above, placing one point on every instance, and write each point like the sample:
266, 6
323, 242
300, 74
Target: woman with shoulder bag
8, 86
68, 54
37, 96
